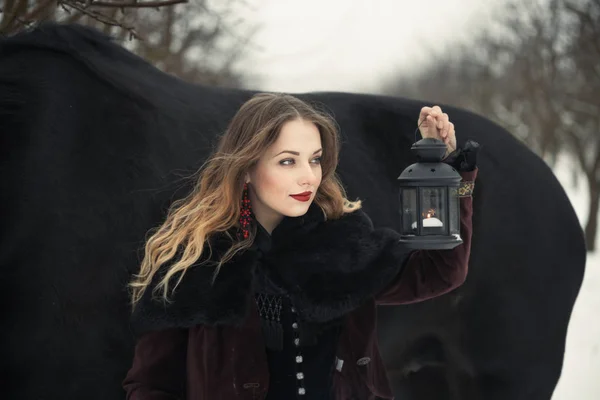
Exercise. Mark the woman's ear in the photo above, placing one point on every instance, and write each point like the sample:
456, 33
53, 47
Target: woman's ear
247, 178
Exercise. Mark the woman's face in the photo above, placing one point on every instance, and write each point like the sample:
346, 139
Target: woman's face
290, 166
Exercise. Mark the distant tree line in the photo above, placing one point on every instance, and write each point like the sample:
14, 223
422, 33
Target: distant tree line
535, 71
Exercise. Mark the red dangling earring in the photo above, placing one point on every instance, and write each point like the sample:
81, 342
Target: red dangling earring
245, 213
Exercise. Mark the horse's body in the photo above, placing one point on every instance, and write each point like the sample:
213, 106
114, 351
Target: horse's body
95, 143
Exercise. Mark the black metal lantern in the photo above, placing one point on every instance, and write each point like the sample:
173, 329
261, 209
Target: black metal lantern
429, 203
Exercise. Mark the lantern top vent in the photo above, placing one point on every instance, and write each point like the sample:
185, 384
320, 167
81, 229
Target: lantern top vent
429, 150
429, 170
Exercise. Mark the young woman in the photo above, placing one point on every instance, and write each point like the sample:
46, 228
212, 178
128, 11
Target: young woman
263, 282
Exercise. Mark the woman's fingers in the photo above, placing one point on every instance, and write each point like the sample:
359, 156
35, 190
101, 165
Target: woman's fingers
434, 123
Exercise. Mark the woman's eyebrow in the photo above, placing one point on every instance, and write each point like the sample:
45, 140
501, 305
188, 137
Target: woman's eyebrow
295, 152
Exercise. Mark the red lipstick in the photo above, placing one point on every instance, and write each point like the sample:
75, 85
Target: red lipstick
305, 196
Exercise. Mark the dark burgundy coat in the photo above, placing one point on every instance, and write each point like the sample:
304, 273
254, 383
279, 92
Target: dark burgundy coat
207, 344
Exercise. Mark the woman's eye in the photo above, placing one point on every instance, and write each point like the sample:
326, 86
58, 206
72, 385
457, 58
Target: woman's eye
290, 161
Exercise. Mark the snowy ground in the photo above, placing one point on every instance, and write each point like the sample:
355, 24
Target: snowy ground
580, 378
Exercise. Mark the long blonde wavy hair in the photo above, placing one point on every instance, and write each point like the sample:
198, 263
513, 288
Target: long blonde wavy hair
213, 206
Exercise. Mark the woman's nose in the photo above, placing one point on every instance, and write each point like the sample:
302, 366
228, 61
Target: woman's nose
308, 174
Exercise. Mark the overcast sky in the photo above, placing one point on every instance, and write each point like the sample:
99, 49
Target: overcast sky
350, 45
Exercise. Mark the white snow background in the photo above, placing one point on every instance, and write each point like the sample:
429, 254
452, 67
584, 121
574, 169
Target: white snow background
580, 379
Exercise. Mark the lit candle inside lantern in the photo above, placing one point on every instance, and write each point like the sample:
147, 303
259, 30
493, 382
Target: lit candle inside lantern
430, 221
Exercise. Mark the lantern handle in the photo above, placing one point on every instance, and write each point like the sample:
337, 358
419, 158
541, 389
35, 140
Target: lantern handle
417, 130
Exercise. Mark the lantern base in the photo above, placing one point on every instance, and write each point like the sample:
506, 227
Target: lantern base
432, 242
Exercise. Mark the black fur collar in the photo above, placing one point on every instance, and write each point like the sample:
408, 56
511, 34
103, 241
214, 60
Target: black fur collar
327, 267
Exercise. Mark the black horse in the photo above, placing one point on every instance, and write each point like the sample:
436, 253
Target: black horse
96, 143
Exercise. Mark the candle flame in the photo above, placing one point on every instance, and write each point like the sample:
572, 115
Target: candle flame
430, 213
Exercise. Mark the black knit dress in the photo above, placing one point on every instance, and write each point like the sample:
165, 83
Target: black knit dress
300, 354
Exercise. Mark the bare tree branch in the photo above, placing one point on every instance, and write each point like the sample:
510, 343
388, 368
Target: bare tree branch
125, 3
12, 14
19, 14
105, 19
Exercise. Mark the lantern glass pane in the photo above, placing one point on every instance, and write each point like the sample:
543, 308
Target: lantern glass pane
454, 207
433, 211
409, 211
